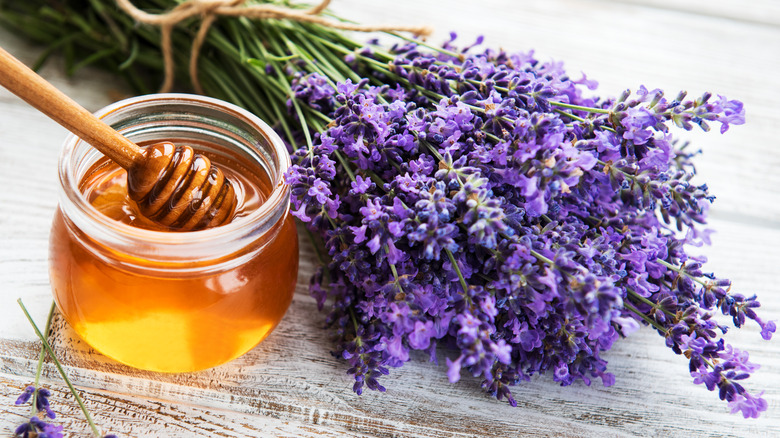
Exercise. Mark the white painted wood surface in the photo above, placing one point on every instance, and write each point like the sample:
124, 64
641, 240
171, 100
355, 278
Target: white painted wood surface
290, 386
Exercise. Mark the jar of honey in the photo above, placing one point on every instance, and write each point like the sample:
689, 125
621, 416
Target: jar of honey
159, 299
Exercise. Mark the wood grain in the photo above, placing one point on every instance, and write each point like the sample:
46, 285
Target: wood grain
290, 385
761, 12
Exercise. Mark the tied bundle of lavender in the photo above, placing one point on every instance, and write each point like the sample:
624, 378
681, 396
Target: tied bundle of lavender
484, 203
468, 198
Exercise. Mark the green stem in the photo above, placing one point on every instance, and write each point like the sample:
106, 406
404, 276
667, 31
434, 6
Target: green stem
339, 70
424, 44
329, 58
642, 299
358, 341
382, 68
580, 119
345, 164
394, 270
506, 90
681, 272
41, 357
633, 178
542, 258
380, 183
307, 58
580, 108
644, 317
315, 246
285, 126
462, 280
439, 157
60, 369
304, 127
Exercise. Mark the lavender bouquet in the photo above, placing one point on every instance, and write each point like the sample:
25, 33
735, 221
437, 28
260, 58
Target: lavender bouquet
483, 202
465, 198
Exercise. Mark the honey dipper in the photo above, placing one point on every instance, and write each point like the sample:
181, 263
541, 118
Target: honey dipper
172, 185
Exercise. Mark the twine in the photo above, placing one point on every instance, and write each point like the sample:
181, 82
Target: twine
209, 10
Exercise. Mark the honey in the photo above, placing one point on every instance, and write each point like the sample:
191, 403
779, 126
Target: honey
169, 301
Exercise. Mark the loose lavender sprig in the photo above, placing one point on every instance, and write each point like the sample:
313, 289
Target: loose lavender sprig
39, 398
36, 427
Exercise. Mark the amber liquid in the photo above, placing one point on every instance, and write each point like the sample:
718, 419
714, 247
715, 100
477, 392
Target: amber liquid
170, 323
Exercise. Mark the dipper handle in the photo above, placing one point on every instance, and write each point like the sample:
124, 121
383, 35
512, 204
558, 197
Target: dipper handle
171, 184
33, 89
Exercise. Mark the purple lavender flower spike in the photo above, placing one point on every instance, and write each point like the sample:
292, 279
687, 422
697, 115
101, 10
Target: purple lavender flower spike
38, 428
733, 113
42, 402
25, 396
748, 405
420, 338
767, 329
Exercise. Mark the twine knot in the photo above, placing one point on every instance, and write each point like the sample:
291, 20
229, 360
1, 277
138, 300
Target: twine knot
209, 10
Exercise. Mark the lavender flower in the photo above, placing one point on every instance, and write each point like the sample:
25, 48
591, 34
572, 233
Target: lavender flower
41, 400
25, 396
37, 428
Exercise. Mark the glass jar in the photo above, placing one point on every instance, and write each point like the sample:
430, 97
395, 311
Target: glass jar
176, 301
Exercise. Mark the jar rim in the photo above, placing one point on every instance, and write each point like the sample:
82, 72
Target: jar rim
253, 224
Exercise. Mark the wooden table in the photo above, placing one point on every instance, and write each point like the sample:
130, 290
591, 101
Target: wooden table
291, 386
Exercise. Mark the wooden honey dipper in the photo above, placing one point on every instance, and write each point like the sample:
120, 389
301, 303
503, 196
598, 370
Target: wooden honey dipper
172, 185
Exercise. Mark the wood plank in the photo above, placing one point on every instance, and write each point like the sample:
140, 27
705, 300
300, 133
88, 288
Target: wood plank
118, 413
761, 12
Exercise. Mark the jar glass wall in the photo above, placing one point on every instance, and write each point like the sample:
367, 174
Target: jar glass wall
176, 301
